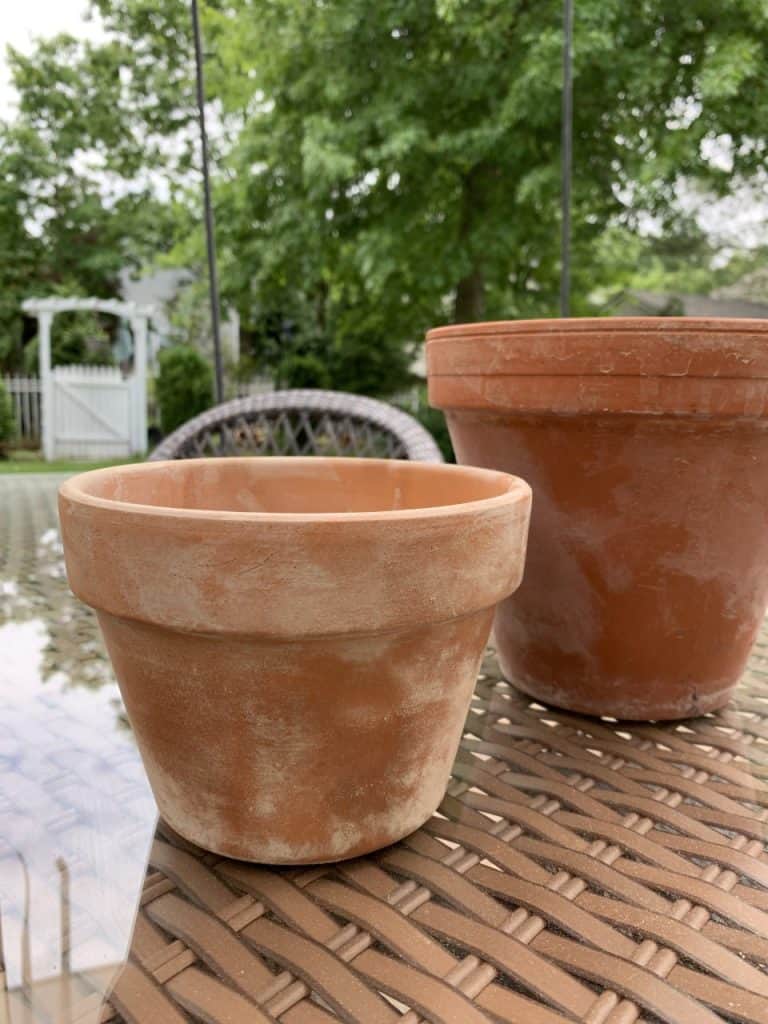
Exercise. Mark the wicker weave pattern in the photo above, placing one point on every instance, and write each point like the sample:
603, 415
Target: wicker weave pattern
302, 423
578, 870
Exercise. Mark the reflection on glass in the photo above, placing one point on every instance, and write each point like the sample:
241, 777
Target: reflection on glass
76, 812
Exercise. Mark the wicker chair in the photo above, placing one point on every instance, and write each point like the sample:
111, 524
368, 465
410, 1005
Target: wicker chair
301, 423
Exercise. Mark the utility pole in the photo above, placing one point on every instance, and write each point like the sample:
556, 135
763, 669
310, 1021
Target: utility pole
566, 157
210, 234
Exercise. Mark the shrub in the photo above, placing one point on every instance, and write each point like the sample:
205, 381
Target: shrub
7, 420
184, 385
303, 371
365, 356
354, 349
432, 420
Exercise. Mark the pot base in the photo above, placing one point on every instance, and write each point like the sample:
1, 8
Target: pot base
689, 703
265, 854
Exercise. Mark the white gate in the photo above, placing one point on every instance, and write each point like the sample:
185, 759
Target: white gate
93, 409
92, 412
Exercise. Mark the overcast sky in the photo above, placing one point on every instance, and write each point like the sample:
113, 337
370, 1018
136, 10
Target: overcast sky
22, 20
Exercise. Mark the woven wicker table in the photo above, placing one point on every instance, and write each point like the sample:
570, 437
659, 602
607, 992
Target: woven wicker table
578, 870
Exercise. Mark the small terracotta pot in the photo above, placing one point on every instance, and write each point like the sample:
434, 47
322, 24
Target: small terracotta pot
646, 444
296, 640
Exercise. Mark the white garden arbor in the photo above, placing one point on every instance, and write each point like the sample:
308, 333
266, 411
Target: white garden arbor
92, 412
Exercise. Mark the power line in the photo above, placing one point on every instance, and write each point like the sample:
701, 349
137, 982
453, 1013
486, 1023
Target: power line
210, 231
566, 160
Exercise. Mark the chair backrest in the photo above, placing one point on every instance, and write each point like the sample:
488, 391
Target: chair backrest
301, 423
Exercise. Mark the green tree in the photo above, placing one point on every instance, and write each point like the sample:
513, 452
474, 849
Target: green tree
416, 144
60, 233
381, 167
680, 261
77, 201
21, 251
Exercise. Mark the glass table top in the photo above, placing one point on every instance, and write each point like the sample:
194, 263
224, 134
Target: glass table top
577, 870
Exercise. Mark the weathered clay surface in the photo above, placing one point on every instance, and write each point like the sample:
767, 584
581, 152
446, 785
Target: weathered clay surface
296, 640
646, 444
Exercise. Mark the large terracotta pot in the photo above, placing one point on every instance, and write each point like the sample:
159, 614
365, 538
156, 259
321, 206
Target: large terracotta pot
296, 640
646, 444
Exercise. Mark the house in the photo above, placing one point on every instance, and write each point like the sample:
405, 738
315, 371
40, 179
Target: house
727, 302
162, 289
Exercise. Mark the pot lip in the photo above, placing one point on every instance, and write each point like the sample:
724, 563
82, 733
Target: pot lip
597, 324
515, 491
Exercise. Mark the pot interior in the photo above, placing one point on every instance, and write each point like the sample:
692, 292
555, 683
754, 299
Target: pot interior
293, 485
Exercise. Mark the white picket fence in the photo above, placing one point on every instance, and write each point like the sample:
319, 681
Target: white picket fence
99, 386
26, 399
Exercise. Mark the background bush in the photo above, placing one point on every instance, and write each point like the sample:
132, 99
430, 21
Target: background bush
184, 385
7, 421
302, 371
432, 420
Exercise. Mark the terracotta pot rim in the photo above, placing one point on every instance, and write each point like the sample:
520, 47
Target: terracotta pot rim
655, 365
512, 490
612, 324
263, 573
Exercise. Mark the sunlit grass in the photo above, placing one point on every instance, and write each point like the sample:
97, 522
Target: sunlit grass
21, 461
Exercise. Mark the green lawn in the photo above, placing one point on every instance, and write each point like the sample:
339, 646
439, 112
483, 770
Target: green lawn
20, 461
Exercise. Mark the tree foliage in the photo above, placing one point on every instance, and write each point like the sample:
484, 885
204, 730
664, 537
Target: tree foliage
80, 337
413, 147
77, 199
59, 232
381, 167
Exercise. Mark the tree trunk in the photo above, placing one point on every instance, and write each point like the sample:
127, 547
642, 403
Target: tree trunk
469, 304
321, 306
470, 298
